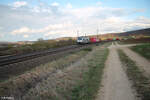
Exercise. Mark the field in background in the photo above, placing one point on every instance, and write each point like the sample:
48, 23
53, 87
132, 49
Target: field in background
143, 49
139, 40
11, 49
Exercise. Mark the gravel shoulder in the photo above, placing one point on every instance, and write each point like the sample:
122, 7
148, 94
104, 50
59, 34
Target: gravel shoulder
115, 83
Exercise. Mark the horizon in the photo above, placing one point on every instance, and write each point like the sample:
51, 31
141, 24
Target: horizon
72, 37
29, 20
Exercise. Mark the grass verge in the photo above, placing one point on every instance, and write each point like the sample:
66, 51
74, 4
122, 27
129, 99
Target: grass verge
88, 87
140, 82
142, 50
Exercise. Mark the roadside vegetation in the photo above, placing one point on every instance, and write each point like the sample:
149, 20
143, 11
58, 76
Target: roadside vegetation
39, 45
140, 82
87, 49
18, 85
143, 49
88, 87
74, 77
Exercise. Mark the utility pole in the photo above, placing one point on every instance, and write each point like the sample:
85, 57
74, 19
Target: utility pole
77, 33
97, 32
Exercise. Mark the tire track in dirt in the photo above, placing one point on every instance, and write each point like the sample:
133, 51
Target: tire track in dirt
141, 62
116, 85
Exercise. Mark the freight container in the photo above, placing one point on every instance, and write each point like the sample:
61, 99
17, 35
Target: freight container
94, 40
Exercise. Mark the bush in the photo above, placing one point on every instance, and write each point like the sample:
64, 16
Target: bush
37, 46
88, 49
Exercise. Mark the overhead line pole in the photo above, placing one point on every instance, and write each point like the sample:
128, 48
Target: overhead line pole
97, 32
77, 33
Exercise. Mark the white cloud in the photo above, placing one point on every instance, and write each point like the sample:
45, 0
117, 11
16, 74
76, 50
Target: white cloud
52, 28
112, 24
55, 4
1, 35
139, 10
99, 3
58, 32
1, 28
19, 4
69, 6
21, 30
25, 36
36, 9
86, 19
120, 25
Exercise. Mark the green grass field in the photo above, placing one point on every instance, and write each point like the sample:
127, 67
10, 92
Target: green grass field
143, 49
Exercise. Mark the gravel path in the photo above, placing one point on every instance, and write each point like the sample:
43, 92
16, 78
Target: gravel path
141, 62
116, 85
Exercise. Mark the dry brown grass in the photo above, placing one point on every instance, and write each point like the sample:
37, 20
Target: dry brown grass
51, 81
59, 85
18, 86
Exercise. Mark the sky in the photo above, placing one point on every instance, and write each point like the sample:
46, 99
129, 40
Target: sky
29, 20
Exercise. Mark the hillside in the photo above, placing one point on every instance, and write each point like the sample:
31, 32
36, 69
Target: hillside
145, 32
137, 33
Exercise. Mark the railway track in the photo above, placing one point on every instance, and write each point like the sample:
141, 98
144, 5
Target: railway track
19, 58
16, 64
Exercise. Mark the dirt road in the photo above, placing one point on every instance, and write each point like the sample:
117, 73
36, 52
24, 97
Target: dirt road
141, 62
116, 85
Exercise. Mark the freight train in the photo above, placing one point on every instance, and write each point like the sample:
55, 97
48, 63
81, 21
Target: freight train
86, 40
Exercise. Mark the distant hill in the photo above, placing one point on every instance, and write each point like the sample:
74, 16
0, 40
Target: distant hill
136, 33
5, 42
145, 32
